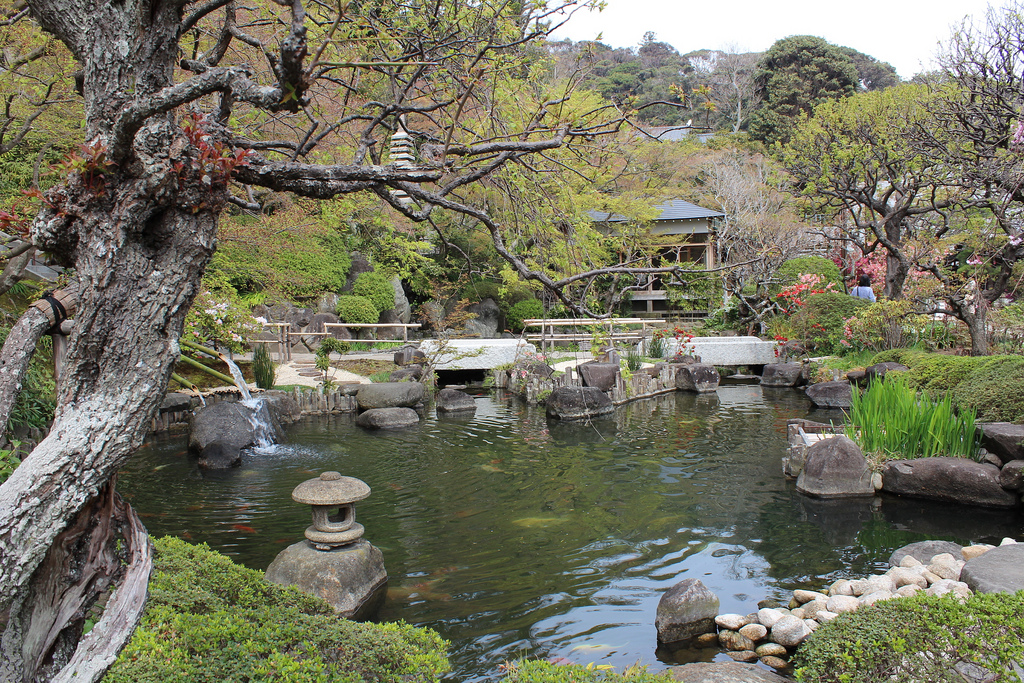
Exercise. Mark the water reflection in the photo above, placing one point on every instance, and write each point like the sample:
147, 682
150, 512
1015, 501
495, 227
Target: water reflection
512, 535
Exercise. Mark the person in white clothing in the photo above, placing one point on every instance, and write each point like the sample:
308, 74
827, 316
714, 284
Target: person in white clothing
863, 289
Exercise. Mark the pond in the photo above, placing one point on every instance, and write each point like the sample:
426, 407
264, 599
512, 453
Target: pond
515, 536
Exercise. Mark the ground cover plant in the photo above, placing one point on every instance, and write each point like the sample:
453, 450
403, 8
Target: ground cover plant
920, 638
536, 671
992, 386
893, 420
209, 619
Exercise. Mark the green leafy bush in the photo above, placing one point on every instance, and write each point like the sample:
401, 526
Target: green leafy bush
995, 389
820, 321
9, 461
534, 671
917, 639
262, 367
791, 270
357, 310
523, 310
377, 288
892, 420
209, 619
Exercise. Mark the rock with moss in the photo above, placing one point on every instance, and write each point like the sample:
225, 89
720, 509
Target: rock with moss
209, 619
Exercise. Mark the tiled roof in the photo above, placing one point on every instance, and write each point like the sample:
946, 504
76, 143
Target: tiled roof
672, 210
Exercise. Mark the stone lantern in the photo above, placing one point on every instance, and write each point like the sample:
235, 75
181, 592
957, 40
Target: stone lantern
334, 561
328, 493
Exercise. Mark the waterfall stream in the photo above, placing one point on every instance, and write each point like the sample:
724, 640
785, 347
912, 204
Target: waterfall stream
265, 436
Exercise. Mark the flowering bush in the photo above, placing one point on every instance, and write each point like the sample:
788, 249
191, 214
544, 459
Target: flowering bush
807, 284
218, 319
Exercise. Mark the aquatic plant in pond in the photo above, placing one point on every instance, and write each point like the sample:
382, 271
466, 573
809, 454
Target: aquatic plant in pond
892, 420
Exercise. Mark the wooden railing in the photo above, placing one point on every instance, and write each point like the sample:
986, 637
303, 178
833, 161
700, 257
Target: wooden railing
284, 335
548, 326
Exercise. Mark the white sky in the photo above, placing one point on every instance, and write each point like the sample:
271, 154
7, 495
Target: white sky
905, 33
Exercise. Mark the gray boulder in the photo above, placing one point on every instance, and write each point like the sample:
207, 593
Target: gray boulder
402, 307
784, 375
409, 354
1000, 570
951, 480
485, 324
360, 265
407, 373
697, 377
175, 402
1011, 476
724, 672
351, 578
219, 432
387, 418
389, 316
880, 370
577, 403
685, 611
300, 318
791, 351
282, 406
389, 395
830, 394
599, 375
327, 303
835, 468
317, 324
1005, 439
924, 551
454, 401
540, 370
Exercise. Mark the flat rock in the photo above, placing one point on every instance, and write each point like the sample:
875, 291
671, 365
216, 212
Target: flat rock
731, 622
389, 395
685, 610
951, 480
1000, 570
578, 403
835, 468
387, 418
1005, 439
880, 370
697, 377
412, 372
724, 672
175, 402
454, 401
924, 551
830, 394
599, 375
350, 578
784, 375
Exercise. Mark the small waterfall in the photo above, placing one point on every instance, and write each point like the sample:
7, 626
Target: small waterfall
263, 429
236, 372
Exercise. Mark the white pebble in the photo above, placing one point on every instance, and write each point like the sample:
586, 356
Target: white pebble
768, 616
731, 622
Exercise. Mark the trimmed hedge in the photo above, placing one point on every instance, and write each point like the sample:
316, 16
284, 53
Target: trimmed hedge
792, 269
357, 310
377, 288
209, 619
523, 310
993, 386
917, 639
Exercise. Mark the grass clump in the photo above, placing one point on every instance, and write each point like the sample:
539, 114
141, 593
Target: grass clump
920, 638
209, 619
534, 671
893, 420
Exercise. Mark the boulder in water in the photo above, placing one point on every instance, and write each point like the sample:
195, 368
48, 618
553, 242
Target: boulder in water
389, 395
387, 418
219, 432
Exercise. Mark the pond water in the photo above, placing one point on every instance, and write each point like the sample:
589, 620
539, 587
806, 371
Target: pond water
515, 536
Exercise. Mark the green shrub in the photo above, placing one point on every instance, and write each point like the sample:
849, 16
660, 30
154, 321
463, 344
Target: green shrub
917, 639
9, 461
995, 389
523, 310
534, 671
892, 420
357, 310
478, 290
377, 288
262, 367
936, 373
820, 321
209, 619
791, 270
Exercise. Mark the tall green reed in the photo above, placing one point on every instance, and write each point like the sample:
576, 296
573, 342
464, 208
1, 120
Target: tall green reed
893, 420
